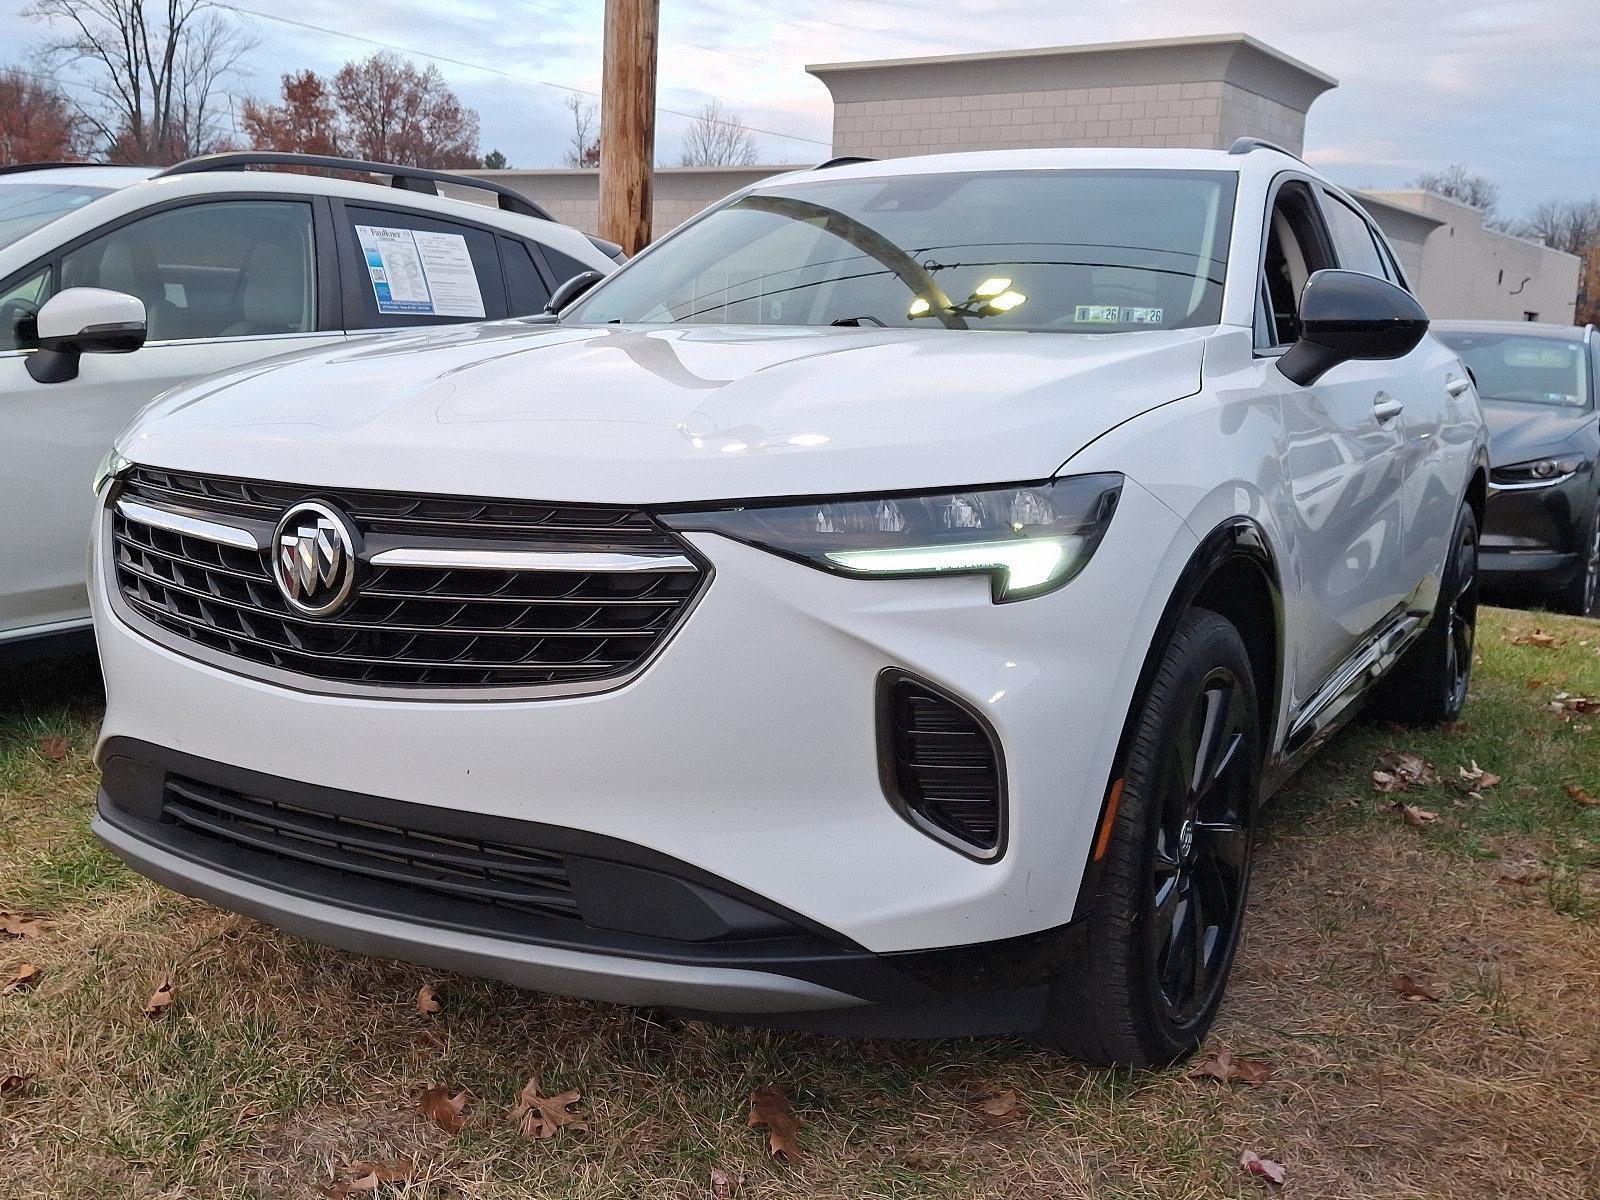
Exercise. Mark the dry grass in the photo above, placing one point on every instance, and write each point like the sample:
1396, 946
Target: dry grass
281, 1064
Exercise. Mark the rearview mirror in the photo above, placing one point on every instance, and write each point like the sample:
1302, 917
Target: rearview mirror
1346, 315
571, 290
82, 321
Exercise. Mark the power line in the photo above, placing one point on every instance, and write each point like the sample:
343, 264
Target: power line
473, 66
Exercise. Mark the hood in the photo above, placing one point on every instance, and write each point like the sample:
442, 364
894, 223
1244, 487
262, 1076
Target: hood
654, 415
1519, 431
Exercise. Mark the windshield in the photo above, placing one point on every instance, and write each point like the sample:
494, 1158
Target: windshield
1071, 251
25, 207
1530, 370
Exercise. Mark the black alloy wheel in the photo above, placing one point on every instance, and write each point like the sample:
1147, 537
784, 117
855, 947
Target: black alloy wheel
1460, 614
1164, 899
1201, 859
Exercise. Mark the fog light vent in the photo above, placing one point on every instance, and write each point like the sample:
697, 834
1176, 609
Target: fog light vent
941, 765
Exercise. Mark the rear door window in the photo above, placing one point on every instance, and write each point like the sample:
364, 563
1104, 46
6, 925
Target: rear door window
406, 268
525, 289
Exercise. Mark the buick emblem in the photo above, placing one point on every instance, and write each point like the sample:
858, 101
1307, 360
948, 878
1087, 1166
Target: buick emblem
314, 558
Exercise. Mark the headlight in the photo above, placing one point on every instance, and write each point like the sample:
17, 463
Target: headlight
1028, 539
1540, 471
111, 466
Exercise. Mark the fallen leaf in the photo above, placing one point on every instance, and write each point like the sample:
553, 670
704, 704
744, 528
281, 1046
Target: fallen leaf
541, 1116
722, 1184
24, 927
1412, 990
1539, 638
1416, 817
1001, 1108
160, 1000
1254, 1164
443, 1109
428, 1001
1402, 771
14, 1081
25, 976
1523, 874
54, 748
770, 1107
1580, 795
1225, 1068
368, 1177
1479, 779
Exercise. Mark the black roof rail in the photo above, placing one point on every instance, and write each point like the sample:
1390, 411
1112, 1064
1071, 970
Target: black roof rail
408, 179
18, 168
844, 160
1246, 144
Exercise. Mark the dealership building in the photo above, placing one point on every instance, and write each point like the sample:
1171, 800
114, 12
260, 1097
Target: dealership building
1203, 92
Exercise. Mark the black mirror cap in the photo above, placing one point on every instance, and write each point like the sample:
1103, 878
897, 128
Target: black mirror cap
569, 291
1346, 315
121, 338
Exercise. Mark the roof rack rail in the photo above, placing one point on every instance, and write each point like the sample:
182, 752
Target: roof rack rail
1246, 144
407, 179
844, 160
18, 168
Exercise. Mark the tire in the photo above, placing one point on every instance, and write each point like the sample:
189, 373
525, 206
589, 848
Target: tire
1429, 684
1133, 996
1582, 596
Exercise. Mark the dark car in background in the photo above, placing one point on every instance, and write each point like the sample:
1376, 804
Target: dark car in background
1539, 386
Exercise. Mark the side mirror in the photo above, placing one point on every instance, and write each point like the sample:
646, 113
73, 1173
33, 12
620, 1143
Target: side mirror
82, 321
1346, 315
571, 290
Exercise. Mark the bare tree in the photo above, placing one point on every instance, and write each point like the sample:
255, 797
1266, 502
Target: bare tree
584, 148
717, 138
1570, 225
159, 71
1458, 183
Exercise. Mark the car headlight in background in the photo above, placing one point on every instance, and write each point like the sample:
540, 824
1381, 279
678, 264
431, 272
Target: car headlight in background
1029, 538
1538, 473
111, 466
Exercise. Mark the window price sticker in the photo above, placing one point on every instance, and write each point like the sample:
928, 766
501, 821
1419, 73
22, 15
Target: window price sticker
416, 272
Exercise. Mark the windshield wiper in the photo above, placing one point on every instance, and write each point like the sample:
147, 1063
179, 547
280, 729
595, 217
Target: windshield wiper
846, 322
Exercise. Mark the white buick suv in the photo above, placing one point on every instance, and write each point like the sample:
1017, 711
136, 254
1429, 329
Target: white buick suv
880, 608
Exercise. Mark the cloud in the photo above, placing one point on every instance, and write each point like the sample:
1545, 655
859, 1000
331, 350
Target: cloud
1505, 86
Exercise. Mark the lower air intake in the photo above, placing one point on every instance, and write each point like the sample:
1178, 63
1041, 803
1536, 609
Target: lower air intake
941, 765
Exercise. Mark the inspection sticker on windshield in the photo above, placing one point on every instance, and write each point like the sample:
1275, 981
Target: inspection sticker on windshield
1115, 314
417, 272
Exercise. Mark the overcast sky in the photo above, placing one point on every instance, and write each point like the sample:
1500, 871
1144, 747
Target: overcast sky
1511, 88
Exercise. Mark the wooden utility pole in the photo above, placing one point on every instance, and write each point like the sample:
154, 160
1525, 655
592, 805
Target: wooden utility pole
628, 122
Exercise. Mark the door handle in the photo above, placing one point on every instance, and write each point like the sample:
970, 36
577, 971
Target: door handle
1456, 385
1385, 407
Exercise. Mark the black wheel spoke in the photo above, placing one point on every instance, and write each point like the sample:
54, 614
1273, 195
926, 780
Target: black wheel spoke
1228, 841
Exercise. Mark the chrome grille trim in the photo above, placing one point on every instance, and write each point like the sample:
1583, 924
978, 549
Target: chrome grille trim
176, 522
529, 560
572, 605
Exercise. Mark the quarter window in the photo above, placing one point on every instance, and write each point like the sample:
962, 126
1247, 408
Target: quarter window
19, 305
1297, 248
236, 268
1353, 236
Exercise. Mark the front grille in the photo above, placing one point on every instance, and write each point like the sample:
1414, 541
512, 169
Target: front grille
410, 626
478, 874
942, 765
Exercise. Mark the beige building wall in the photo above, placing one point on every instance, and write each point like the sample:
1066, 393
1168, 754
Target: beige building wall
572, 195
1179, 92
1462, 270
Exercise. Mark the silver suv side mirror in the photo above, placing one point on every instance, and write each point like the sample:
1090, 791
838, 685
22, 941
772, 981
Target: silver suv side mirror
83, 321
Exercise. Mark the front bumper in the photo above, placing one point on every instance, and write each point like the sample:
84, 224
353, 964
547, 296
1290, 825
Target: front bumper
747, 750
1534, 538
